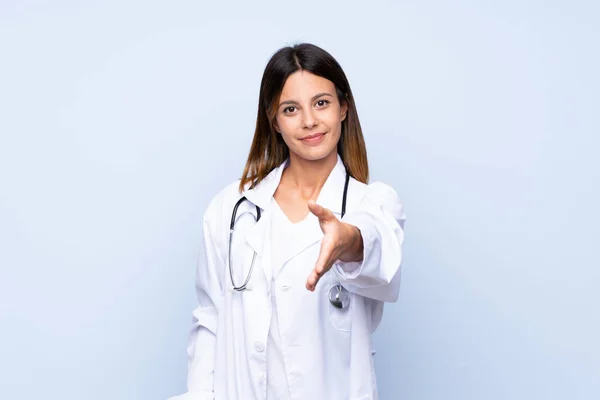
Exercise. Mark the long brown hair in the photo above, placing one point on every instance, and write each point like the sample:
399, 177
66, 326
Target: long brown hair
268, 150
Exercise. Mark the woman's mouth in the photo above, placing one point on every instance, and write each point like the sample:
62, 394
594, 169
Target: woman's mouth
313, 139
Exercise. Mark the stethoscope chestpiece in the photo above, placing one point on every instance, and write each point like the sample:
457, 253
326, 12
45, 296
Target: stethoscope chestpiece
339, 297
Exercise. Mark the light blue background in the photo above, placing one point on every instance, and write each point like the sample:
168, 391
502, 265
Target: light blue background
119, 120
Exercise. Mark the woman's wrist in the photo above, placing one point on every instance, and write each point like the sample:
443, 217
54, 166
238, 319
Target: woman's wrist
354, 244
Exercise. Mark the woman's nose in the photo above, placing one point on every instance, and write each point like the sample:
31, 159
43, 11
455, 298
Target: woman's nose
308, 119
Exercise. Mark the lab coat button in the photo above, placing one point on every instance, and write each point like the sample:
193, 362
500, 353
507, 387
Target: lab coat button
259, 347
285, 287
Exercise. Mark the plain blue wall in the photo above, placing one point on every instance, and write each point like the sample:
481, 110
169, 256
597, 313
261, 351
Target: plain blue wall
119, 121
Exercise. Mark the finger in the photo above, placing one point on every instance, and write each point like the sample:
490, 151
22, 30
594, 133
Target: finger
315, 276
321, 266
320, 211
324, 256
311, 282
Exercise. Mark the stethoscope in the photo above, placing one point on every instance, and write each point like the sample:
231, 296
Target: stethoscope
338, 295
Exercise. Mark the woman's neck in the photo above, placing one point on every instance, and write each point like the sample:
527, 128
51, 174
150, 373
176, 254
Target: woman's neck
307, 175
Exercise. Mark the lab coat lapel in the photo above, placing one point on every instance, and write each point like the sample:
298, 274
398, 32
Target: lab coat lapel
332, 191
309, 233
257, 235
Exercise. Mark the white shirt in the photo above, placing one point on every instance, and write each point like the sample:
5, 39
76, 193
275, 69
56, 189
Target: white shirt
327, 352
283, 232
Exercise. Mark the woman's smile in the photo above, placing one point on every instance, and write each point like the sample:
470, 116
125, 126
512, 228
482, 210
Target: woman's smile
313, 140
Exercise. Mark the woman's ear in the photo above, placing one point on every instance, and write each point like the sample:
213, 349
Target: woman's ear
344, 110
276, 125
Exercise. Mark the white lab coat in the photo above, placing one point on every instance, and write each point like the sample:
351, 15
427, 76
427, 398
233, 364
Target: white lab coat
328, 352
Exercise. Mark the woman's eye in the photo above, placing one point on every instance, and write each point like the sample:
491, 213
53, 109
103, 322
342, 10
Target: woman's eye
291, 109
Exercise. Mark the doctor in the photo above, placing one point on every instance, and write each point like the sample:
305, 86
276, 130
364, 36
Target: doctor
300, 254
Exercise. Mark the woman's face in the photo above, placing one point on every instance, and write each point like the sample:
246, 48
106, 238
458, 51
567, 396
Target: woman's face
309, 116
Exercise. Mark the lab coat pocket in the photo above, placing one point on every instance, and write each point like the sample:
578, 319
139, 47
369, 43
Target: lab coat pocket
340, 318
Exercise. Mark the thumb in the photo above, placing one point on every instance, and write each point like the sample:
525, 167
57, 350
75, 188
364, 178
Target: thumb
316, 209
320, 211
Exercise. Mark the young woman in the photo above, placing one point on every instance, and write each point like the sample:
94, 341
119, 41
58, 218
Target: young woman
300, 254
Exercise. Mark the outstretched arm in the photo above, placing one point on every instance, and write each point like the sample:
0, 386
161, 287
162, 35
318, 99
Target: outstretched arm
365, 247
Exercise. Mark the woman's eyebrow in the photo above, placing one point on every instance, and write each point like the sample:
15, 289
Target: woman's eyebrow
312, 99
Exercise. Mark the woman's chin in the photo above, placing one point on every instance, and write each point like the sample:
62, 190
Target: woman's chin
316, 153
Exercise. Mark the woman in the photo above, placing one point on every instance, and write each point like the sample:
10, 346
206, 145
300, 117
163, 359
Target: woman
287, 305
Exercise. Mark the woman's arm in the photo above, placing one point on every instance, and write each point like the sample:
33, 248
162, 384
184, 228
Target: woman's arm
365, 248
202, 338
380, 219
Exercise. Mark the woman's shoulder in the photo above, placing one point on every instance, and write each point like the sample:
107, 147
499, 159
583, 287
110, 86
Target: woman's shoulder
229, 193
376, 196
223, 200
372, 189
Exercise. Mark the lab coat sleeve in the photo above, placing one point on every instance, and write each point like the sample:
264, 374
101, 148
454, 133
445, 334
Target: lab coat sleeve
202, 338
380, 218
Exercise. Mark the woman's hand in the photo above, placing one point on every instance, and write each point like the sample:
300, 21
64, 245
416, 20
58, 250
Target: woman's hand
342, 242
